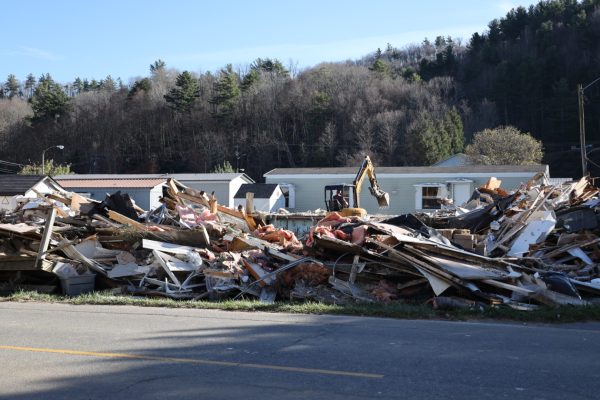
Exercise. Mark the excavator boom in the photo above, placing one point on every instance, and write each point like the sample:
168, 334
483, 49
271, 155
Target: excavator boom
367, 169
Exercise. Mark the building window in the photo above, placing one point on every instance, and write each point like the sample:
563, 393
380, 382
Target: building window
430, 197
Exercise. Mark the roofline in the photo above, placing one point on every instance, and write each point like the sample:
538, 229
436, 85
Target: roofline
42, 178
157, 176
406, 175
71, 188
424, 171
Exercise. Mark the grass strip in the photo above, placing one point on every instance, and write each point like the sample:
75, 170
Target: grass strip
561, 314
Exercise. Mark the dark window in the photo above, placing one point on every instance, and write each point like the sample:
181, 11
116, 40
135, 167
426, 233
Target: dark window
430, 196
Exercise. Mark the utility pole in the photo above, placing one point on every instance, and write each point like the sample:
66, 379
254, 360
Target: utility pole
237, 155
582, 130
580, 92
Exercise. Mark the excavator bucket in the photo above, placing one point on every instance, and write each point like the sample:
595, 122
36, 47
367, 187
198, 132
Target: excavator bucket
383, 198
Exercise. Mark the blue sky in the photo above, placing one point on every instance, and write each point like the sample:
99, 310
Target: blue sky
92, 39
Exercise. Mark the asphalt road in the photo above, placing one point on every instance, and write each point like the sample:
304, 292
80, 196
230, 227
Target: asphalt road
53, 351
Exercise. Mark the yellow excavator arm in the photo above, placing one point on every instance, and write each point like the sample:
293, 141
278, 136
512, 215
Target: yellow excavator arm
367, 169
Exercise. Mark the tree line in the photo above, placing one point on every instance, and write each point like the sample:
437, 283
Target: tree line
263, 118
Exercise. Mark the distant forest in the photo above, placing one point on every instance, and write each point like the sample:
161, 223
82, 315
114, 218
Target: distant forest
403, 106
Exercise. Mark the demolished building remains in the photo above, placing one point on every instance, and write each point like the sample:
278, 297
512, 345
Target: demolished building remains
537, 245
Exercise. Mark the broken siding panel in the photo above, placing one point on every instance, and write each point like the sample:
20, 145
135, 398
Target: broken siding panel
154, 197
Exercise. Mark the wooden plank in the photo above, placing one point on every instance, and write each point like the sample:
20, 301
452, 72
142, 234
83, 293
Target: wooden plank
258, 273
249, 203
107, 221
115, 216
18, 228
46, 237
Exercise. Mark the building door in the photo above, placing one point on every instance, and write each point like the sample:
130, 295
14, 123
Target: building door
461, 193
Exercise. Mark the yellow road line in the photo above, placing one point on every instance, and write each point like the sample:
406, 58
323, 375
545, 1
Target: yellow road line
196, 361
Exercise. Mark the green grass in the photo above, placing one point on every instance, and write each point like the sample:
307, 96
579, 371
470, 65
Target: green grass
561, 314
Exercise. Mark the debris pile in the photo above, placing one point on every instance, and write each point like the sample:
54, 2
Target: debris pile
538, 245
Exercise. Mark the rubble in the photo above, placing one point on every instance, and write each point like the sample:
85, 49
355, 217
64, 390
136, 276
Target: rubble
538, 245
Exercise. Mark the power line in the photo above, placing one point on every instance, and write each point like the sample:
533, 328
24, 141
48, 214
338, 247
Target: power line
11, 163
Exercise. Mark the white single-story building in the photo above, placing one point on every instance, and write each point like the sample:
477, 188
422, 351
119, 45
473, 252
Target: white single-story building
268, 197
13, 187
146, 189
410, 188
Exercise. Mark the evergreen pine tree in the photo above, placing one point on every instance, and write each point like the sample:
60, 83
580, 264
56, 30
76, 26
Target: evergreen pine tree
30, 85
182, 97
226, 92
49, 100
11, 87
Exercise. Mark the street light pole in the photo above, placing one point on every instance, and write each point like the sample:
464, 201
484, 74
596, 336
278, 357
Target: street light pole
580, 92
59, 146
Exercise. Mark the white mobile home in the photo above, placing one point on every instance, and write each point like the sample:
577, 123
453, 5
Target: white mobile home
410, 188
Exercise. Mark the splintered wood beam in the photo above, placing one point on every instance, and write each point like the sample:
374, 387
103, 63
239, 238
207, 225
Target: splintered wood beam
120, 218
46, 237
249, 203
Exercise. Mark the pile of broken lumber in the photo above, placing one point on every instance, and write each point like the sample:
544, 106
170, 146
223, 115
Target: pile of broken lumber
536, 246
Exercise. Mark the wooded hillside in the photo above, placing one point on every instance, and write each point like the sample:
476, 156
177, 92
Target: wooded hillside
409, 106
